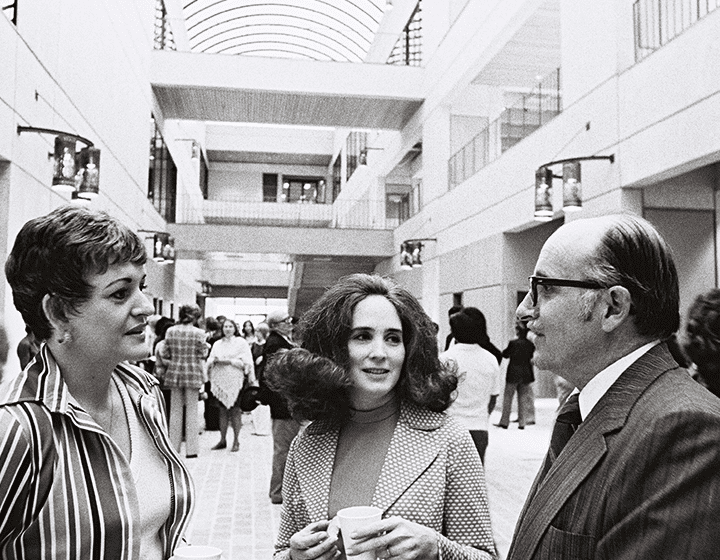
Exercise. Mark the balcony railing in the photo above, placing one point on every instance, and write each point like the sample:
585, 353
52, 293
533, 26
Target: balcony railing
659, 21
533, 110
347, 214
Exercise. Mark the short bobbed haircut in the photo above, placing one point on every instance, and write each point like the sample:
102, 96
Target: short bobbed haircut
57, 253
634, 255
324, 332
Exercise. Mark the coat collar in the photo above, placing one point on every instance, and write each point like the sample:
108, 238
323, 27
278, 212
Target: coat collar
586, 449
415, 430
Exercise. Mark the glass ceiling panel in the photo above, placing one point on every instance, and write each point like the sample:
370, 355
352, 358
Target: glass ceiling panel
339, 30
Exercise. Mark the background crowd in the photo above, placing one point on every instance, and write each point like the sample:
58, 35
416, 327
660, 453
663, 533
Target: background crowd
364, 407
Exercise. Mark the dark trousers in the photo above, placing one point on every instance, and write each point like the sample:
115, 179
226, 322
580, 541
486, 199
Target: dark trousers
283, 432
480, 439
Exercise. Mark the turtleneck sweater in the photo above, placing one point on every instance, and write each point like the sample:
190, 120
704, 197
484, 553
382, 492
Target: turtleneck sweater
363, 442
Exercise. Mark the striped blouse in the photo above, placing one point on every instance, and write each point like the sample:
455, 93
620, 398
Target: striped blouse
66, 489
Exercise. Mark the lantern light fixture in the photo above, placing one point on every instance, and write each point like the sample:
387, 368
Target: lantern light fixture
163, 249
73, 172
572, 186
410, 253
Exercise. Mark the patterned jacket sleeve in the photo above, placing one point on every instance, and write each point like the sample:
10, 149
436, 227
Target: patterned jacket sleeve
468, 533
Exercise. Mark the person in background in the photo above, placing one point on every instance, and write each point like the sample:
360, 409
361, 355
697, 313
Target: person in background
185, 352
633, 469
27, 348
88, 470
481, 336
284, 426
230, 368
702, 339
261, 414
449, 339
479, 380
248, 332
518, 377
161, 327
211, 410
216, 334
369, 377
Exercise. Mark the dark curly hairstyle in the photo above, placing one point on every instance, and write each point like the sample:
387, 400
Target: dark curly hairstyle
55, 254
702, 337
324, 330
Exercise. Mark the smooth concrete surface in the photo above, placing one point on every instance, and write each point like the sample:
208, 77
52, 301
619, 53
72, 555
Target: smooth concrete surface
233, 510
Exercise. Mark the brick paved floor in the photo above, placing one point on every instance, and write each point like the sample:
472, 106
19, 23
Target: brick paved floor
233, 510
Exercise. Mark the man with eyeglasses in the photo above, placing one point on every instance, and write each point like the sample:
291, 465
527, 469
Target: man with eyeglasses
284, 427
633, 469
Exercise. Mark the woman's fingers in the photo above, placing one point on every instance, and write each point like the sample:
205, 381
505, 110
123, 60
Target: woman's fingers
395, 537
313, 542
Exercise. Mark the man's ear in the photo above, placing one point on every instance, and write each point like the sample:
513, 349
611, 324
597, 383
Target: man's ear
619, 305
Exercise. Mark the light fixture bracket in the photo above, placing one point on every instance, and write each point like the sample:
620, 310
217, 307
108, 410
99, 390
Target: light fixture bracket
21, 129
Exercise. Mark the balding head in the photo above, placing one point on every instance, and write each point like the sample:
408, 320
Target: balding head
626, 250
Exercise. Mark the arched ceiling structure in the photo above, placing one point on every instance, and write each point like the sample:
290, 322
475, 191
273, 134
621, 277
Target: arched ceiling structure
323, 30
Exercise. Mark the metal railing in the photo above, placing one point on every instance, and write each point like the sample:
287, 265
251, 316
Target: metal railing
533, 111
345, 214
658, 21
163, 36
408, 49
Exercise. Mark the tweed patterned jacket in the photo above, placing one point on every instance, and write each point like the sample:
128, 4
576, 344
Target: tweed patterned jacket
432, 475
639, 479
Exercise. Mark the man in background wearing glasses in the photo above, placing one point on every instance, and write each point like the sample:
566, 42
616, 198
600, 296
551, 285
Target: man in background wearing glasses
634, 471
284, 427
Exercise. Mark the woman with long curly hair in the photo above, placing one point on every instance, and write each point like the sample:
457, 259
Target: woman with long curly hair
369, 378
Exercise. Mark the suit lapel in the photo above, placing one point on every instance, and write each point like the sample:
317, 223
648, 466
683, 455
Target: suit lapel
585, 450
314, 464
413, 448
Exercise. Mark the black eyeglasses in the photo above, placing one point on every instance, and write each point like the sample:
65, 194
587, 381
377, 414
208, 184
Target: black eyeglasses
535, 280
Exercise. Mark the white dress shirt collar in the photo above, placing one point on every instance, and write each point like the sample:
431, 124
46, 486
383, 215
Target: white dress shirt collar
599, 385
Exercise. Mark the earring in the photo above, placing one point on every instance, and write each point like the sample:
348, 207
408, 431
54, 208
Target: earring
64, 338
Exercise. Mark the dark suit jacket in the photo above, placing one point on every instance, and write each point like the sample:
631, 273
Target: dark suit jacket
639, 479
278, 407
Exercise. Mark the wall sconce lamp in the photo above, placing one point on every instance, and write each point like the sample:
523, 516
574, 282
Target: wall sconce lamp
73, 172
195, 148
410, 250
363, 154
572, 186
163, 246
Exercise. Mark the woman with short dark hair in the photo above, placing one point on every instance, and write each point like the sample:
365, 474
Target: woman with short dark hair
369, 376
88, 468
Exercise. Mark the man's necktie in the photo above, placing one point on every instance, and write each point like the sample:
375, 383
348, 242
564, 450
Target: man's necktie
567, 421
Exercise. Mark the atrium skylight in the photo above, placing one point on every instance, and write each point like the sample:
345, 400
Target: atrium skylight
338, 30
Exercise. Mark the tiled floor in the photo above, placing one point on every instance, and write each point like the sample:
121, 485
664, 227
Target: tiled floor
233, 510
